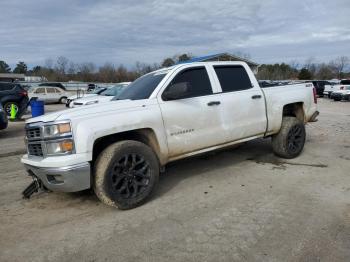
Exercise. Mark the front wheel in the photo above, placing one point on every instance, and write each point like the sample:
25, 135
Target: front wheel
126, 174
290, 140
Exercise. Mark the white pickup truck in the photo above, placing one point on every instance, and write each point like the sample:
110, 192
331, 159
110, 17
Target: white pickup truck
329, 89
118, 148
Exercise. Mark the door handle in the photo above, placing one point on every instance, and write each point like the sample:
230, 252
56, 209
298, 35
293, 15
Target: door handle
214, 103
256, 96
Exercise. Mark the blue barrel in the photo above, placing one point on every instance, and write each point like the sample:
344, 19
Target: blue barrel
38, 107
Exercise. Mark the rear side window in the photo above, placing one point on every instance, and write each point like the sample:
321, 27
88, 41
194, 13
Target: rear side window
233, 78
196, 79
6, 86
40, 90
50, 90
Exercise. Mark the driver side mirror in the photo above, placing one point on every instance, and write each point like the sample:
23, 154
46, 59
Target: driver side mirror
176, 91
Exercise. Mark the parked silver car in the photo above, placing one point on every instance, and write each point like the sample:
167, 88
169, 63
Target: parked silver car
49, 94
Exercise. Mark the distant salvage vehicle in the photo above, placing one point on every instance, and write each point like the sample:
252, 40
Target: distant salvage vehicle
104, 96
13, 95
3, 118
343, 94
53, 84
49, 94
320, 86
329, 89
79, 95
118, 148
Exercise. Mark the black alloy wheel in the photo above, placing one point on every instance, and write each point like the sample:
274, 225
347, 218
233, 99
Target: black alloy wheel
295, 139
130, 176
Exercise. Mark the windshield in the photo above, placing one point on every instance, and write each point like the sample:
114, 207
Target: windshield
98, 91
345, 82
113, 91
142, 87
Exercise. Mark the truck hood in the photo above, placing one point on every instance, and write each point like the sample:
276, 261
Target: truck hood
92, 110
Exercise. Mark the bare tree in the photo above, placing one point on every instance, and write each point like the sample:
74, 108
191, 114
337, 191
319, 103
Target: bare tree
310, 65
86, 71
107, 73
339, 64
61, 64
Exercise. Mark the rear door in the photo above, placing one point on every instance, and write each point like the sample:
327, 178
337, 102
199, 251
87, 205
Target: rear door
243, 105
51, 95
192, 122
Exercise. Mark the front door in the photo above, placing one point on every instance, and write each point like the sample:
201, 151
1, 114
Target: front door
51, 95
192, 122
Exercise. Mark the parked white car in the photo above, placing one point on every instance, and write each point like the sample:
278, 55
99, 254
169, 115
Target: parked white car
102, 97
118, 148
48, 94
79, 95
329, 89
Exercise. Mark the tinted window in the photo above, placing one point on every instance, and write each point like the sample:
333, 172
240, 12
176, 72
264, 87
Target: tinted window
57, 90
6, 86
142, 87
50, 90
232, 78
40, 90
197, 81
345, 82
113, 91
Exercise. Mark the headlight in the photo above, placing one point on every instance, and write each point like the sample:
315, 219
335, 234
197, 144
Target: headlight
60, 147
92, 102
57, 130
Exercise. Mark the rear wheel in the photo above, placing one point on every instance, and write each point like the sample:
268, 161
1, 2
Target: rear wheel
63, 100
126, 174
290, 140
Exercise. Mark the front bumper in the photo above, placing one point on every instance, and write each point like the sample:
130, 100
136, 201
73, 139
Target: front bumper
64, 179
336, 96
346, 97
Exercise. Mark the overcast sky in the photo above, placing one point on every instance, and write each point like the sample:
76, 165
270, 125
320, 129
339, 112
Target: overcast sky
123, 32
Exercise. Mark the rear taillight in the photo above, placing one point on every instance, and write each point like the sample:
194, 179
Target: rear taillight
315, 96
23, 93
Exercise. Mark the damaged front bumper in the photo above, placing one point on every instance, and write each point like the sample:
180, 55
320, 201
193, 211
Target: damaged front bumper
64, 179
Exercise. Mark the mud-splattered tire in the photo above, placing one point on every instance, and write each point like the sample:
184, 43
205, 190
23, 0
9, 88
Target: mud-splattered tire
290, 140
125, 174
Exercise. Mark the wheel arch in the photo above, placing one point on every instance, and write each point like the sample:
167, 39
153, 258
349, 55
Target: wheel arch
144, 135
294, 109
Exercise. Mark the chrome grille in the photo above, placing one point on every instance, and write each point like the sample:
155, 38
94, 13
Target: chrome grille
33, 133
35, 149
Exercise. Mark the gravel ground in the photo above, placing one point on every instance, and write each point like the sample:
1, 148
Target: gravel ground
238, 204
